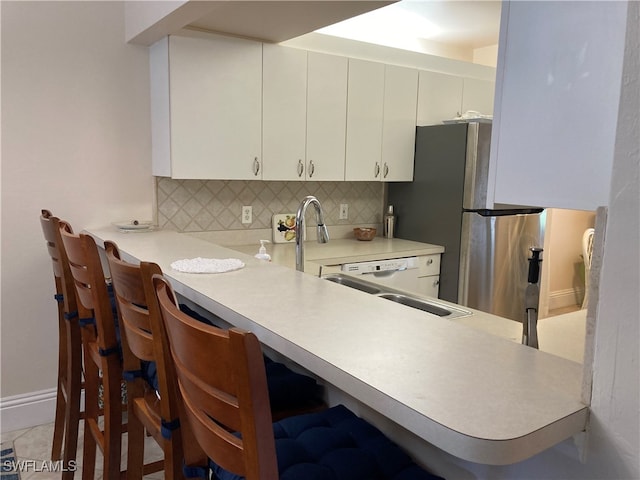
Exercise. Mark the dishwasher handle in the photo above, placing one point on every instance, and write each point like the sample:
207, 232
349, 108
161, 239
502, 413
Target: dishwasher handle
385, 273
381, 267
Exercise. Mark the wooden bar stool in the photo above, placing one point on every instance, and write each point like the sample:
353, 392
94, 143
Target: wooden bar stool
102, 361
152, 402
222, 382
68, 412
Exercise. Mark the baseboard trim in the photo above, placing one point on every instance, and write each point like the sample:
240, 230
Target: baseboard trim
27, 410
565, 298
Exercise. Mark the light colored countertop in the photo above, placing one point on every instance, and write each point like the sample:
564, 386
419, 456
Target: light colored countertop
477, 396
336, 251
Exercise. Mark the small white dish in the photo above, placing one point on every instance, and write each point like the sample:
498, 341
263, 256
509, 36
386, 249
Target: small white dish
133, 226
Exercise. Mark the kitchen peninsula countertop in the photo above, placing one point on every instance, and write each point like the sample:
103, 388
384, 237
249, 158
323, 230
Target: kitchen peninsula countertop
474, 395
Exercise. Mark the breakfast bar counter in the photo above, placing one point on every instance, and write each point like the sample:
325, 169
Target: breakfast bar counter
476, 396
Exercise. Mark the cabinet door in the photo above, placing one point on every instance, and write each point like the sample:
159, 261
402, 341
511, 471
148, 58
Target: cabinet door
429, 286
399, 125
439, 97
284, 113
215, 105
557, 95
365, 101
477, 95
326, 116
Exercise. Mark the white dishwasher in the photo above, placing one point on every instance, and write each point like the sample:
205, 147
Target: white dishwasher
419, 275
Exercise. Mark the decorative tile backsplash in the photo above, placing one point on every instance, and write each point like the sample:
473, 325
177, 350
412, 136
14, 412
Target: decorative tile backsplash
213, 205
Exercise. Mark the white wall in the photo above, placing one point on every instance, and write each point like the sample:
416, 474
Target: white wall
74, 103
486, 56
613, 446
563, 256
75, 140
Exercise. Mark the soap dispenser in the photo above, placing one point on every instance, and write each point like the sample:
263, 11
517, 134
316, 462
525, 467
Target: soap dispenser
262, 252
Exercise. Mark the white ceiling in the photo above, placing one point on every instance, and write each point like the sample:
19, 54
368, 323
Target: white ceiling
467, 24
277, 20
464, 24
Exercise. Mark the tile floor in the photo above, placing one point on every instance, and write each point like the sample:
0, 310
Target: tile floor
34, 444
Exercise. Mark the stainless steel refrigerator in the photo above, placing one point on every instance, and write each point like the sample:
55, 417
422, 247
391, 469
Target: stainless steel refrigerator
485, 264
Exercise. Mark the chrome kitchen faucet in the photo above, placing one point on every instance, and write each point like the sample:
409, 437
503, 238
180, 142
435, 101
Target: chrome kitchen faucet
323, 234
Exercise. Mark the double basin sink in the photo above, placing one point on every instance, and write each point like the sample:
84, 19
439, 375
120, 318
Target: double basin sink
413, 301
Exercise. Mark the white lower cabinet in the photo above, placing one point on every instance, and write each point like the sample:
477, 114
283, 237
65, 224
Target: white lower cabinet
206, 107
429, 275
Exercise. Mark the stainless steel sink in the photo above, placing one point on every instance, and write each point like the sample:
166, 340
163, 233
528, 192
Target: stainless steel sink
416, 303
425, 304
353, 283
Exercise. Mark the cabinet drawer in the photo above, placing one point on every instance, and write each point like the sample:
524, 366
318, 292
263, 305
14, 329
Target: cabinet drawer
429, 265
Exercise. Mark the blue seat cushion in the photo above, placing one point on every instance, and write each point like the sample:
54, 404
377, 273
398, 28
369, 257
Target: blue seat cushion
335, 444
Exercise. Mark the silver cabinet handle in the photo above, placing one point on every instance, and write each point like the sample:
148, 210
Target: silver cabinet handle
436, 283
430, 261
386, 170
256, 166
312, 168
376, 170
300, 168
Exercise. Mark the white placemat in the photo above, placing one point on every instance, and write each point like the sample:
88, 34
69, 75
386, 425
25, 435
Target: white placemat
207, 265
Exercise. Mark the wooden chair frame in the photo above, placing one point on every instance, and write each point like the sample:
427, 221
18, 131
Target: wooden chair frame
139, 318
222, 380
101, 355
69, 389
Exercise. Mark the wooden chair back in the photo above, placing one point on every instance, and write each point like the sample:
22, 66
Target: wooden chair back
68, 411
139, 317
222, 380
91, 289
101, 354
63, 279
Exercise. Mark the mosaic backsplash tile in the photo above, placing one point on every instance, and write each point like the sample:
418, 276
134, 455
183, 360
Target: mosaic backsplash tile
213, 205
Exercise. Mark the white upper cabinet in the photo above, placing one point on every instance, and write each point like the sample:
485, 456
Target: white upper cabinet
364, 120
399, 125
478, 95
439, 97
557, 96
326, 116
284, 113
206, 107
381, 122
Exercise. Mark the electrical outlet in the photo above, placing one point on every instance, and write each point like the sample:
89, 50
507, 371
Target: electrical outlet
247, 214
344, 211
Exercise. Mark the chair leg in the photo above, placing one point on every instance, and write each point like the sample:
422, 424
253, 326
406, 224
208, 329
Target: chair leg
92, 381
112, 435
59, 423
173, 464
61, 400
73, 391
135, 449
72, 416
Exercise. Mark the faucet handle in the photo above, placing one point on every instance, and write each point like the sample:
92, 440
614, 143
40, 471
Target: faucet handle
323, 233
